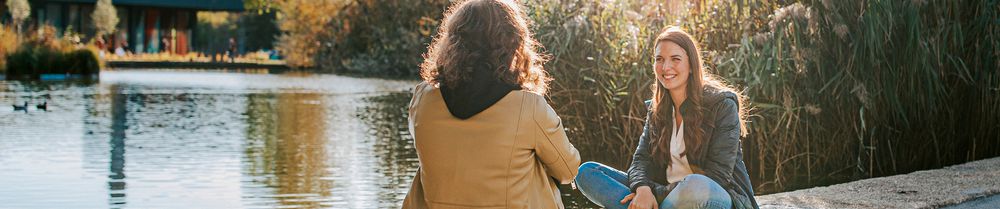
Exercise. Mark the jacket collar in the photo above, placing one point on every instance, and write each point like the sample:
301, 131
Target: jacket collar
710, 96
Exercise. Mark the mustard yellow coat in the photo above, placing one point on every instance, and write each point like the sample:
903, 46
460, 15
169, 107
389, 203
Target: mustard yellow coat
507, 156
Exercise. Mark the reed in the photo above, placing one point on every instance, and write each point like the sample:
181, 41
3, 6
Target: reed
840, 90
599, 61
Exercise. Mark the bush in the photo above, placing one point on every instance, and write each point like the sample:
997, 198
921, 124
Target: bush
32, 60
82, 61
380, 37
50, 56
306, 26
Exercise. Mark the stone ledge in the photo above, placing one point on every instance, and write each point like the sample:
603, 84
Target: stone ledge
922, 189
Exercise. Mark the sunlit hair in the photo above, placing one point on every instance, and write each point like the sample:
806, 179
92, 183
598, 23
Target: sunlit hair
490, 35
698, 82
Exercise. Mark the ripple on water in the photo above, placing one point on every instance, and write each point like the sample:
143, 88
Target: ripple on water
160, 139
145, 139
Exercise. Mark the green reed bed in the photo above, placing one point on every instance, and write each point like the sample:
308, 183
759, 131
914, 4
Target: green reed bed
858, 89
839, 90
598, 60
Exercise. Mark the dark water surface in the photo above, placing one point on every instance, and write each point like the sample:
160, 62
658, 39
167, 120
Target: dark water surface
167, 139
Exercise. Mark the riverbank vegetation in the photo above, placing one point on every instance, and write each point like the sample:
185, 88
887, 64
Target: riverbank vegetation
840, 90
367, 37
8, 43
29, 53
28, 57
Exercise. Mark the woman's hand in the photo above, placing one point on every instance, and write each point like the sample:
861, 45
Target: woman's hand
643, 198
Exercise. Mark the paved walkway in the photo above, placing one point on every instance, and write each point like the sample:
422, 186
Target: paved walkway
967, 183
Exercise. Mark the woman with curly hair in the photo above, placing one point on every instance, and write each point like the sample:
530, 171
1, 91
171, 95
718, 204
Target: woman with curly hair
485, 135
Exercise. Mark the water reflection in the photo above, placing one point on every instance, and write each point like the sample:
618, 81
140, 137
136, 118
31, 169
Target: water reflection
208, 140
285, 147
116, 179
186, 140
387, 118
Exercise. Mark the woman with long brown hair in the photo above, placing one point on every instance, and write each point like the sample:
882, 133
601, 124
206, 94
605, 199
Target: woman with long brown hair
689, 154
485, 135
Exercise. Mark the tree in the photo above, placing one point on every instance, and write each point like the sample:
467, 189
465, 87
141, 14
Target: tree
260, 6
304, 25
105, 17
381, 37
19, 11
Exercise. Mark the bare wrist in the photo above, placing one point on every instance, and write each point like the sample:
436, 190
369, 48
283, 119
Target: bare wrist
644, 189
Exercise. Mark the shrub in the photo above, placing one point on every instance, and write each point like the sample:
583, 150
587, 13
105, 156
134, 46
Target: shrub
304, 25
48, 55
83, 61
380, 37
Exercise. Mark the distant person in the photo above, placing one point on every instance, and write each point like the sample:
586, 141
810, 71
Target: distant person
273, 54
689, 154
232, 49
100, 44
166, 45
120, 52
122, 44
485, 135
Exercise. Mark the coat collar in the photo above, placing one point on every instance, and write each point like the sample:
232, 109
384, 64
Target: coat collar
711, 96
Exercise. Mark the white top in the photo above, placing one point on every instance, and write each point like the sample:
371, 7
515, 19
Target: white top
679, 167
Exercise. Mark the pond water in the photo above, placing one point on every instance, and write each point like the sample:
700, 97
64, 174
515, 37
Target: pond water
170, 139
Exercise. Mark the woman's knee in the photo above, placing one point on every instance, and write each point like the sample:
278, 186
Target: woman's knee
587, 169
698, 179
699, 191
698, 184
589, 165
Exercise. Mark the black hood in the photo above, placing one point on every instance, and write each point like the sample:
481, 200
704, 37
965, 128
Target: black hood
475, 94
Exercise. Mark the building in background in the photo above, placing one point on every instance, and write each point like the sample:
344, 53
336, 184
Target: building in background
145, 26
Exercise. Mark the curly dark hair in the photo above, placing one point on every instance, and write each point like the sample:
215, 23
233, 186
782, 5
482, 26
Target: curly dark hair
486, 35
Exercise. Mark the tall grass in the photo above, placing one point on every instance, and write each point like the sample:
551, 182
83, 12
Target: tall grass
598, 60
868, 88
840, 90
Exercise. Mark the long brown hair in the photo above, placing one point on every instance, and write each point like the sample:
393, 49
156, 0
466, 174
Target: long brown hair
485, 34
697, 83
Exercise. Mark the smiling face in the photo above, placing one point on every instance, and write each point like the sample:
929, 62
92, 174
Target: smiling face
671, 66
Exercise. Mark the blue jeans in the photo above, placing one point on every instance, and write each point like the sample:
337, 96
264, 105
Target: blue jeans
606, 187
